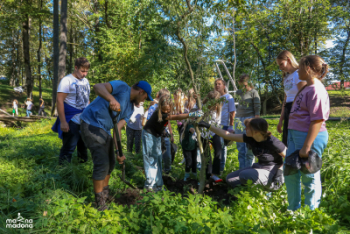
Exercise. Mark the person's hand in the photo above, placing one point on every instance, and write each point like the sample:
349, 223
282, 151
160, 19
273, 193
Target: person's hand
64, 126
304, 152
114, 105
279, 127
172, 138
203, 124
230, 129
196, 114
121, 159
191, 130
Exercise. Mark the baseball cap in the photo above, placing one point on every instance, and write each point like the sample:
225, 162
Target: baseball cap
146, 87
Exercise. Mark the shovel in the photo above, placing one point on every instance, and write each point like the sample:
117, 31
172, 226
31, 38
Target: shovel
119, 145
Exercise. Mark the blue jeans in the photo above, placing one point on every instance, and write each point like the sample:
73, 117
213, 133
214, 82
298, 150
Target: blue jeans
152, 160
167, 155
71, 140
223, 154
312, 182
245, 155
29, 113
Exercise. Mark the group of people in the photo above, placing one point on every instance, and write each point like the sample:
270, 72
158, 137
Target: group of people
84, 125
28, 105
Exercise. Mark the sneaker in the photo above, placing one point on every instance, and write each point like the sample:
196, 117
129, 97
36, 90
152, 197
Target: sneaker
216, 179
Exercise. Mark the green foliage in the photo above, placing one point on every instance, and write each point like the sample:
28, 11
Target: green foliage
59, 199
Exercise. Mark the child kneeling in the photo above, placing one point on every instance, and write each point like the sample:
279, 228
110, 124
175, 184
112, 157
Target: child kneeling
268, 149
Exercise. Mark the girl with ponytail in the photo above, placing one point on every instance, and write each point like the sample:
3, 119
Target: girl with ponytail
267, 148
292, 84
307, 130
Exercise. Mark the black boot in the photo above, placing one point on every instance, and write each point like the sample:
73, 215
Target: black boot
106, 191
100, 201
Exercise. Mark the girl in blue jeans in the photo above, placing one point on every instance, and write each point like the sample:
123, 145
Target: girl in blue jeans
151, 141
307, 130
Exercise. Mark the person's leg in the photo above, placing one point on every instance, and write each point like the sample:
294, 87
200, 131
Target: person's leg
70, 141
241, 147
194, 161
137, 140
293, 181
217, 154
223, 154
188, 163
39, 112
167, 155
130, 139
258, 176
287, 108
81, 149
27, 112
16, 111
233, 178
312, 182
207, 153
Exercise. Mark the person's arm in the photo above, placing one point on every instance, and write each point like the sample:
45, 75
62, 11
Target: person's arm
314, 129
104, 90
120, 125
226, 135
283, 153
279, 125
177, 117
60, 110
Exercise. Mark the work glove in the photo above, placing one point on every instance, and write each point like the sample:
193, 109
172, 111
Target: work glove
196, 114
204, 124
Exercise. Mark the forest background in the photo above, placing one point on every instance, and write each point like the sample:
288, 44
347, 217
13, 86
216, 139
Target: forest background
133, 40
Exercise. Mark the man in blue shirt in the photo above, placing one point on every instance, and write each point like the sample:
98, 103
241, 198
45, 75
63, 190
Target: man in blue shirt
96, 122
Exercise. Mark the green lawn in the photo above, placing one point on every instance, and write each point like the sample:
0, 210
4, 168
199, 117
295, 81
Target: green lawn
59, 199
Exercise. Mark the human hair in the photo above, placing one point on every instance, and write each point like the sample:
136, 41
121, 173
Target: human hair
162, 92
29, 99
15, 100
245, 78
319, 68
165, 100
259, 125
178, 101
214, 95
190, 99
285, 55
82, 62
223, 81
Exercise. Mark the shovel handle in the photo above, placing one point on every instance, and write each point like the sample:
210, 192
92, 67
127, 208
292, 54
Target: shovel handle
115, 128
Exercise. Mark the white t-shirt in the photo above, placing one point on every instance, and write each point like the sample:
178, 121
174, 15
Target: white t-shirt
290, 86
135, 121
15, 105
29, 105
78, 93
227, 107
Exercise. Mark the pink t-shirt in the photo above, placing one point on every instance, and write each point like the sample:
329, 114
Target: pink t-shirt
311, 104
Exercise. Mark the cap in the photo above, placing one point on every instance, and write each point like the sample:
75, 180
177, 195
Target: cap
146, 87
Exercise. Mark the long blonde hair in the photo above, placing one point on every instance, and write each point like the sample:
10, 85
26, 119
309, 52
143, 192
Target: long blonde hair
285, 55
179, 102
165, 100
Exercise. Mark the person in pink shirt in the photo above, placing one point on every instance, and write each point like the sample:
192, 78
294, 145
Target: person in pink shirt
307, 130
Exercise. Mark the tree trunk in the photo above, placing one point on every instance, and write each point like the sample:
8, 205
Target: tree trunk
63, 42
13, 61
234, 49
39, 53
55, 56
26, 53
343, 57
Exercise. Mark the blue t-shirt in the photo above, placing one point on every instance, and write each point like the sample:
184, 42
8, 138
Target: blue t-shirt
97, 113
151, 110
227, 107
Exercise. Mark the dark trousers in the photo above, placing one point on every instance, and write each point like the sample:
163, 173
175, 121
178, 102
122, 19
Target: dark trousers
71, 140
287, 109
191, 160
132, 134
213, 165
41, 111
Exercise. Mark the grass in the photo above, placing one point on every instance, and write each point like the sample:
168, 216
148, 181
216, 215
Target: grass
59, 199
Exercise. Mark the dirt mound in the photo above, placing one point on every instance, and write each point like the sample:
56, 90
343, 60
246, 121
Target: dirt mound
129, 197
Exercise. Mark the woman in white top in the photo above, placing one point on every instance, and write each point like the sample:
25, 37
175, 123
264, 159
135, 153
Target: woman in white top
292, 84
29, 105
15, 107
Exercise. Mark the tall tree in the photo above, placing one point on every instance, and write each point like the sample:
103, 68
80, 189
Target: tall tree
56, 31
39, 50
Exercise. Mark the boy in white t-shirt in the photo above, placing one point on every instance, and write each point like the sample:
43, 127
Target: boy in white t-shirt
72, 97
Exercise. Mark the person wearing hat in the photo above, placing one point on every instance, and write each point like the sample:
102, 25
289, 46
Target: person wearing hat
97, 121
29, 105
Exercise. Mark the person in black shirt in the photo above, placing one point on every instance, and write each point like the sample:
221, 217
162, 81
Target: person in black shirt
151, 140
268, 149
